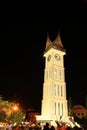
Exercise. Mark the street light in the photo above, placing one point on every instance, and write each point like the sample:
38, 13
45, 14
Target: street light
15, 107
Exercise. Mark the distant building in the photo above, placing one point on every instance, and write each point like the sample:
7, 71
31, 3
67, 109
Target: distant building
31, 115
79, 111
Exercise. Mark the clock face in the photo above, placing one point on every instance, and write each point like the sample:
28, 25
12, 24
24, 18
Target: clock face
49, 58
57, 57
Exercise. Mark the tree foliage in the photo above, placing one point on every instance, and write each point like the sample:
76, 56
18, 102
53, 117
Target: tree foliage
17, 117
10, 111
3, 116
70, 107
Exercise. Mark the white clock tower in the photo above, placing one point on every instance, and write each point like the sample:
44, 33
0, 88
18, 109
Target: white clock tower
54, 103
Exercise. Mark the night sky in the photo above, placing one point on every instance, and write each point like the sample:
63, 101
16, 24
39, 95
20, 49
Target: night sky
22, 63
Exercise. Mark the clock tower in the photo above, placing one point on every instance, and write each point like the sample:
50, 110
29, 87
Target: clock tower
54, 103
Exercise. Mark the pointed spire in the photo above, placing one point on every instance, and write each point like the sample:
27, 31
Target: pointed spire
48, 42
58, 41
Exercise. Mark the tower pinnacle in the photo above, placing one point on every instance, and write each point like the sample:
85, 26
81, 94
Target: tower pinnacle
56, 44
48, 42
58, 41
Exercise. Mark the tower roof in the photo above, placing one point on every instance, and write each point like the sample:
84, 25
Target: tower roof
57, 43
48, 42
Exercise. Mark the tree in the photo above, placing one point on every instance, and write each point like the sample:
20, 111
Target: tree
70, 107
3, 116
17, 117
10, 111
86, 102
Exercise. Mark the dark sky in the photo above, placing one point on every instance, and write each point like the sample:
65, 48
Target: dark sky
22, 47
22, 62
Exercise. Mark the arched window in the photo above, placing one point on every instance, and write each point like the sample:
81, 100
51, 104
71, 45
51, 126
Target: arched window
54, 89
58, 108
58, 91
50, 73
55, 73
62, 108
55, 108
46, 75
61, 91
60, 74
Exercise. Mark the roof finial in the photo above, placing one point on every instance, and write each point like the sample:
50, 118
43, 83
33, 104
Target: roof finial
48, 42
58, 40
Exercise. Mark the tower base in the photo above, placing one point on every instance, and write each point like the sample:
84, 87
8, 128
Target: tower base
55, 120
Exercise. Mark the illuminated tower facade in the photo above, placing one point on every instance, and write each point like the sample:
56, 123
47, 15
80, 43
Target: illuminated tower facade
54, 103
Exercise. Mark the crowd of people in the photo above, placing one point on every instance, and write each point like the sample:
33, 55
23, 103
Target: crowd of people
38, 126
